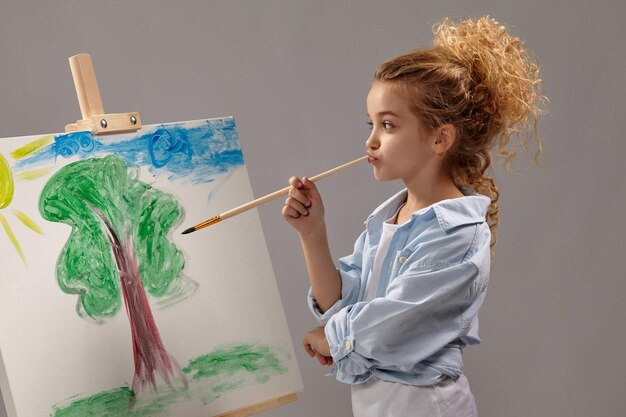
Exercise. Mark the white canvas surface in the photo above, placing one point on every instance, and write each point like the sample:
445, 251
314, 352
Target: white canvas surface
51, 356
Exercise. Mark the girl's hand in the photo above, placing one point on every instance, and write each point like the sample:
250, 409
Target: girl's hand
316, 345
304, 209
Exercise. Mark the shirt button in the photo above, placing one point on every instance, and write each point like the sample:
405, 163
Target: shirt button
402, 259
348, 345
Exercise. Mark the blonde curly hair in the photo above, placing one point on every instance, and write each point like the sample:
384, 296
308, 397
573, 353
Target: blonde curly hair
480, 79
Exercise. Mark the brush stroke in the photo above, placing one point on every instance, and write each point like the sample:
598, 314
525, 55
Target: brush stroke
28, 222
198, 154
229, 360
7, 189
115, 403
12, 238
33, 174
32, 147
211, 376
231, 367
6, 183
164, 145
106, 404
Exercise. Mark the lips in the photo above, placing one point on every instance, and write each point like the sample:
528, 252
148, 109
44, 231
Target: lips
371, 159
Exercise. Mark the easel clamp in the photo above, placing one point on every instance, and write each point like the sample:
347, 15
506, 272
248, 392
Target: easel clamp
91, 108
100, 124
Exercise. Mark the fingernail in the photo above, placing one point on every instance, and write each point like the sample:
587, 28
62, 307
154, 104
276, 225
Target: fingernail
306, 213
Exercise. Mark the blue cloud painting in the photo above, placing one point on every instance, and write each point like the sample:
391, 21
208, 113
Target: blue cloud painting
197, 152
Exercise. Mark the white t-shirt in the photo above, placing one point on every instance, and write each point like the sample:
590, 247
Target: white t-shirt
383, 247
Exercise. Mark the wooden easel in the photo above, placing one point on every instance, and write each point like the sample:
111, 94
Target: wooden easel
97, 122
262, 406
94, 119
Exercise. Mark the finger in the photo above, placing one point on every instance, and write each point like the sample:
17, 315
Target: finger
310, 351
307, 347
289, 212
295, 182
312, 191
296, 205
324, 360
300, 196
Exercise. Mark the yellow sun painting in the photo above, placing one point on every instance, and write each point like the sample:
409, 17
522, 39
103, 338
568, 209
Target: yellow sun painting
7, 189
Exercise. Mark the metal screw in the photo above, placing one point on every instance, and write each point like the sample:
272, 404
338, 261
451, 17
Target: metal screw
103, 123
133, 120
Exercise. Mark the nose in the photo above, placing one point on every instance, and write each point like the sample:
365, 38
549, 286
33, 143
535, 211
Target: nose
372, 143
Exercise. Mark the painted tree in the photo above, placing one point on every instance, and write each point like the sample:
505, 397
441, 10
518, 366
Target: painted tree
118, 249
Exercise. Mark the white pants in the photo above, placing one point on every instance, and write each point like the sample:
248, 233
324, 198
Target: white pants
378, 398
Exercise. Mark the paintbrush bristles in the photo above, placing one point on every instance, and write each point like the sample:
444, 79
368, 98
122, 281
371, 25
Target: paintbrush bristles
262, 200
204, 224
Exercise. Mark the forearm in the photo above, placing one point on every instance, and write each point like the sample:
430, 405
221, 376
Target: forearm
323, 276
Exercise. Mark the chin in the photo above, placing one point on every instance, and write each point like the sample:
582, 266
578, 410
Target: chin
380, 176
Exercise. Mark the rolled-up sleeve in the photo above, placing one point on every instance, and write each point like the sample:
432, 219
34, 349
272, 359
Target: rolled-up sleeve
423, 310
350, 269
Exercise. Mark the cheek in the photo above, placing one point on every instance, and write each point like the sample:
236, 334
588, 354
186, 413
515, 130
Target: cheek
404, 155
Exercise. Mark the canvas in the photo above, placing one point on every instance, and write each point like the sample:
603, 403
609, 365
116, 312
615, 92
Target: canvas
105, 308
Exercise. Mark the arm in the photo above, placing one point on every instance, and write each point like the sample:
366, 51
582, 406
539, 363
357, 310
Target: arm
323, 276
304, 211
429, 305
421, 313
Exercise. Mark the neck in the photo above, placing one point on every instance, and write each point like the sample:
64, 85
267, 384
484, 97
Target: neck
423, 192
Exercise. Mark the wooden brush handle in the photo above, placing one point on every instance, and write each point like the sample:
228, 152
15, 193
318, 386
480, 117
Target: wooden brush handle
262, 200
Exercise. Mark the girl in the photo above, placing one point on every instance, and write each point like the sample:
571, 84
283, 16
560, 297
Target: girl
398, 312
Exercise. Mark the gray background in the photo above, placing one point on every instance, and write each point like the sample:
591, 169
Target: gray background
295, 75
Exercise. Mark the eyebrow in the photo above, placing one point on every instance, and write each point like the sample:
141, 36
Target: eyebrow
385, 113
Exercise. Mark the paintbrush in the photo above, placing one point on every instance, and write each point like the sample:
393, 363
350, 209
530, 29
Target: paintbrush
255, 203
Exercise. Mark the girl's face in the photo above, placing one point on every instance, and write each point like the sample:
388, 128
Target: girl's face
399, 145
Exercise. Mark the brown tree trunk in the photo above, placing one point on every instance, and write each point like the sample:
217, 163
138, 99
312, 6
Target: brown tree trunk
151, 358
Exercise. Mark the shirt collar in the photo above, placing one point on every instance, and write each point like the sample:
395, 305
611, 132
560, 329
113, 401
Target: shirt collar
451, 213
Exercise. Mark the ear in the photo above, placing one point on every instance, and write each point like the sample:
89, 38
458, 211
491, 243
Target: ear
445, 135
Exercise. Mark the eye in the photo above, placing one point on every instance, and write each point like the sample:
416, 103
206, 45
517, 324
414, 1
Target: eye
370, 124
387, 125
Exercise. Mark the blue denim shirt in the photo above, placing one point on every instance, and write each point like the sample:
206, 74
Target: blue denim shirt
432, 283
